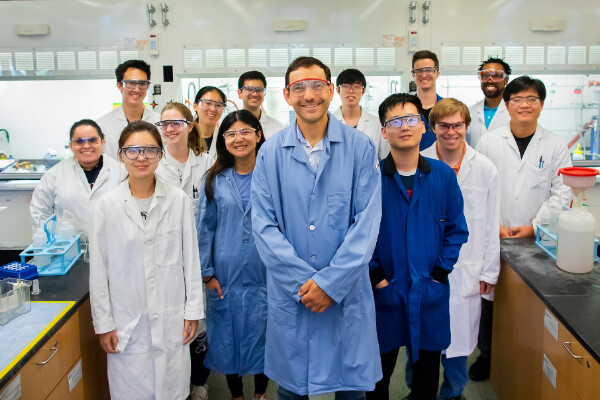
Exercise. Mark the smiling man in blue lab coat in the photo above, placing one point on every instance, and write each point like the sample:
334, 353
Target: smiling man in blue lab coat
316, 212
422, 230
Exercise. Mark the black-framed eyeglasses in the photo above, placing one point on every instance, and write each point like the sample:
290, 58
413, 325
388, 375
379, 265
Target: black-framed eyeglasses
396, 123
173, 123
133, 152
429, 71
132, 83
254, 89
80, 141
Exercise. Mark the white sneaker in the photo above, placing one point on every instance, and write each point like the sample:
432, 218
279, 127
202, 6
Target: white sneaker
199, 392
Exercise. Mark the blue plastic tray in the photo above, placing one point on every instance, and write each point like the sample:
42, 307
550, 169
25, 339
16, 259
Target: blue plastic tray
17, 269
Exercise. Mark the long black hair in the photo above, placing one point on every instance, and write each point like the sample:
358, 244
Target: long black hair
224, 158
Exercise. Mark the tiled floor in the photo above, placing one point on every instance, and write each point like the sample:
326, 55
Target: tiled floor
474, 390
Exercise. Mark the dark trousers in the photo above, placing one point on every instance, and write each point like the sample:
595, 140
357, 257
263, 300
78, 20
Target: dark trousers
198, 349
484, 340
236, 385
425, 378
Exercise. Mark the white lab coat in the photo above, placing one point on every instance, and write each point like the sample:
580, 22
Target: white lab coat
270, 125
145, 279
191, 180
65, 191
113, 123
370, 126
524, 186
479, 258
477, 127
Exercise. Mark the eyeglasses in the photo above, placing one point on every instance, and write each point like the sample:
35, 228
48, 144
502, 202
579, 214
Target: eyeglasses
355, 87
80, 141
443, 127
254, 89
133, 152
298, 88
496, 75
531, 100
245, 133
131, 84
208, 104
429, 71
396, 123
173, 123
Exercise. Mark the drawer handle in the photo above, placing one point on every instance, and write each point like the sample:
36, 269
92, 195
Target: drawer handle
570, 352
54, 350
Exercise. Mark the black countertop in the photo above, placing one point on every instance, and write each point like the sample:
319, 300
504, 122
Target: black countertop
71, 287
573, 298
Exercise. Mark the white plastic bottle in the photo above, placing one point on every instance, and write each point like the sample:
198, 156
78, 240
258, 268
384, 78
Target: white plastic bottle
576, 232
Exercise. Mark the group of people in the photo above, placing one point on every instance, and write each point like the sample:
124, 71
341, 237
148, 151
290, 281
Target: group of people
307, 254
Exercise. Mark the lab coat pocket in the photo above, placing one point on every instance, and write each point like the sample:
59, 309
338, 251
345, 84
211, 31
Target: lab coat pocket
219, 327
464, 279
384, 297
174, 327
540, 177
352, 307
282, 311
168, 248
338, 205
437, 232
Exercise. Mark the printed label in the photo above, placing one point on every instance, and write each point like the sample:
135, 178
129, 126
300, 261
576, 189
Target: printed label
551, 324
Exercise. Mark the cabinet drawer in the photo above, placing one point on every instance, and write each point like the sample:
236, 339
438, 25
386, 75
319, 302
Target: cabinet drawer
59, 355
61, 392
579, 369
562, 392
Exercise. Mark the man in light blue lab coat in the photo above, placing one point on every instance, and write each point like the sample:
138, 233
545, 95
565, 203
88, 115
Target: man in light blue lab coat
316, 212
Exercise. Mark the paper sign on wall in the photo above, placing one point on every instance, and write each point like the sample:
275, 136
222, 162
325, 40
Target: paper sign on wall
551, 324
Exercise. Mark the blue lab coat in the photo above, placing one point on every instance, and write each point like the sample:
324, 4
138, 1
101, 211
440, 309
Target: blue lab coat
321, 226
428, 137
235, 325
418, 238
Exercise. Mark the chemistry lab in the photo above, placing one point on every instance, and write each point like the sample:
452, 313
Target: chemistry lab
294, 200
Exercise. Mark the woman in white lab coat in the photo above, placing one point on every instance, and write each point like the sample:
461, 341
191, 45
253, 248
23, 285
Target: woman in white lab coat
209, 104
145, 281
68, 188
186, 159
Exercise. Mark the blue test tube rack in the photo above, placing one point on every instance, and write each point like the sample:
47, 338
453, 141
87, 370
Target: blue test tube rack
552, 242
57, 257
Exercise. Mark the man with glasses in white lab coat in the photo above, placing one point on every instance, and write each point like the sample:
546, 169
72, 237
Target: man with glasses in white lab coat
489, 113
133, 81
252, 87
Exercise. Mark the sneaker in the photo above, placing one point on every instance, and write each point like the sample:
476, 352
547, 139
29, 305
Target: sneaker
199, 392
480, 370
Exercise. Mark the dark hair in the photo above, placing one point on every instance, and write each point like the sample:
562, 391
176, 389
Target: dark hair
422, 54
137, 64
496, 60
250, 76
523, 83
350, 76
84, 122
207, 89
395, 99
224, 158
306, 62
194, 142
140, 126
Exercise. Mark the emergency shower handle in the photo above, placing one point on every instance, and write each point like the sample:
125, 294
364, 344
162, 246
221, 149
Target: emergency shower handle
426, 6
54, 350
412, 7
164, 8
149, 11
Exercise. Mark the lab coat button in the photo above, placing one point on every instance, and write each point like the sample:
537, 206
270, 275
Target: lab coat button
312, 227
151, 282
157, 353
245, 241
313, 257
149, 243
155, 317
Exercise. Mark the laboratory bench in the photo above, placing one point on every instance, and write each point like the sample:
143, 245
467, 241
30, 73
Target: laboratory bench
546, 328
64, 360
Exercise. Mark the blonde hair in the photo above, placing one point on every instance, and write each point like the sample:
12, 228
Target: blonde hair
195, 142
448, 107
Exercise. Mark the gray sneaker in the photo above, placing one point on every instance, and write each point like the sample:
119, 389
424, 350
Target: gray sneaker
199, 392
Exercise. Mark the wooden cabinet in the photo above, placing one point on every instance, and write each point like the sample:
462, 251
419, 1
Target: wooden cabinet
527, 361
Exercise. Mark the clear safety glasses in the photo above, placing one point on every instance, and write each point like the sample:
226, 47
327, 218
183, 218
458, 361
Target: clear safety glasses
245, 133
299, 87
173, 123
495, 75
131, 84
443, 127
80, 141
208, 104
354, 87
133, 152
254, 89
531, 100
426, 71
396, 123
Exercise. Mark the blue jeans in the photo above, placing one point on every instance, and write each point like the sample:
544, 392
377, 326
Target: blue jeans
284, 394
456, 376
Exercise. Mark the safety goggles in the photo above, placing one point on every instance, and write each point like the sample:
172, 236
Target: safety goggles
409, 121
132, 83
495, 75
299, 87
254, 89
244, 133
208, 104
80, 141
531, 100
173, 123
443, 127
425, 71
355, 87
133, 152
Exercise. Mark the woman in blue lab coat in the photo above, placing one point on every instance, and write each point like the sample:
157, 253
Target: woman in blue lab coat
233, 273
